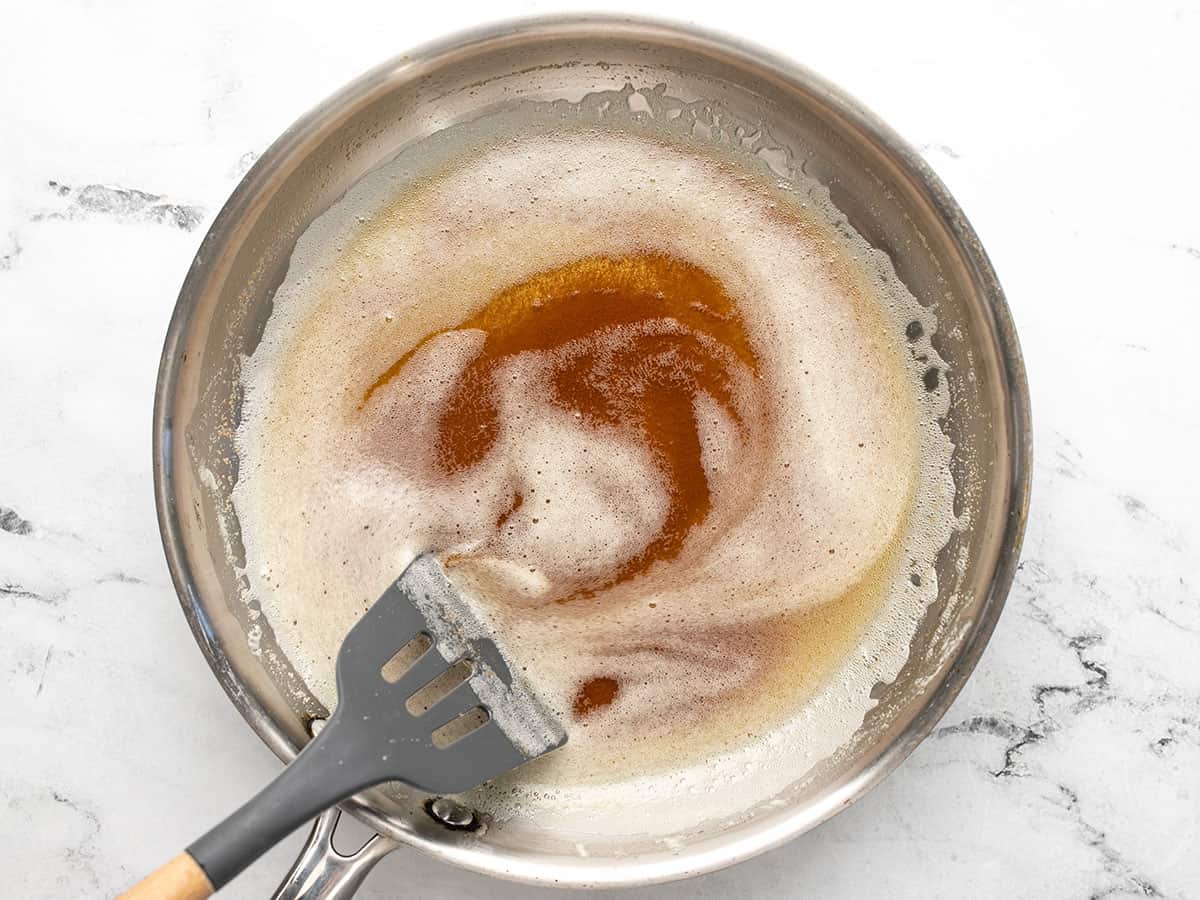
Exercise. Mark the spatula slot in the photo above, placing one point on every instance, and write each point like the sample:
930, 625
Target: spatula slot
457, 729
427, 697
393, 670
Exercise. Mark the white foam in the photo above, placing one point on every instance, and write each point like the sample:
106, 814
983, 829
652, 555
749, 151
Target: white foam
843, 484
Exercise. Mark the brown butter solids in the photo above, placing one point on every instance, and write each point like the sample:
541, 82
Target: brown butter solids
680, 334
629, 343
595, 694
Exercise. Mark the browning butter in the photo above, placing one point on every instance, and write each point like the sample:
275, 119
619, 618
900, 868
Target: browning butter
661, 418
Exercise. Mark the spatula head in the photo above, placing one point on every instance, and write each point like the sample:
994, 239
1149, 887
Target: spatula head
401, 715
426, 697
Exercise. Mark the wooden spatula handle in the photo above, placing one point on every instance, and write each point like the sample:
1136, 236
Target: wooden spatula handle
180, 879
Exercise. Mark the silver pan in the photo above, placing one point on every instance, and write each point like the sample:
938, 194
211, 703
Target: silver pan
889, 196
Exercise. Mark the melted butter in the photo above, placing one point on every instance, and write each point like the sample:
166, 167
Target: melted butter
731, 629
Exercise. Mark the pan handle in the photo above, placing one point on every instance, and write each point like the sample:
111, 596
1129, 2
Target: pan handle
322, 873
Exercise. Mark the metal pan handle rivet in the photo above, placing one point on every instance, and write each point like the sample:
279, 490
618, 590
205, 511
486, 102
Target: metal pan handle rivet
453, 815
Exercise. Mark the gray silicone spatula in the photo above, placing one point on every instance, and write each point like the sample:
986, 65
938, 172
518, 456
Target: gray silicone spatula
395, 721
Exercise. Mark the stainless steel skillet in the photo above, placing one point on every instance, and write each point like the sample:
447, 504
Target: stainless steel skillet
888, 194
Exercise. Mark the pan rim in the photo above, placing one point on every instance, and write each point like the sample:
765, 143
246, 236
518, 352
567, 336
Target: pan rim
732, 846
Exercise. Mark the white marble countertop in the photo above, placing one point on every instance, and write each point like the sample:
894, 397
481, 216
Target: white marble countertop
1069, 766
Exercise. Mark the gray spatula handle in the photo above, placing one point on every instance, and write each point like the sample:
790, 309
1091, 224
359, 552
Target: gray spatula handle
328, 770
